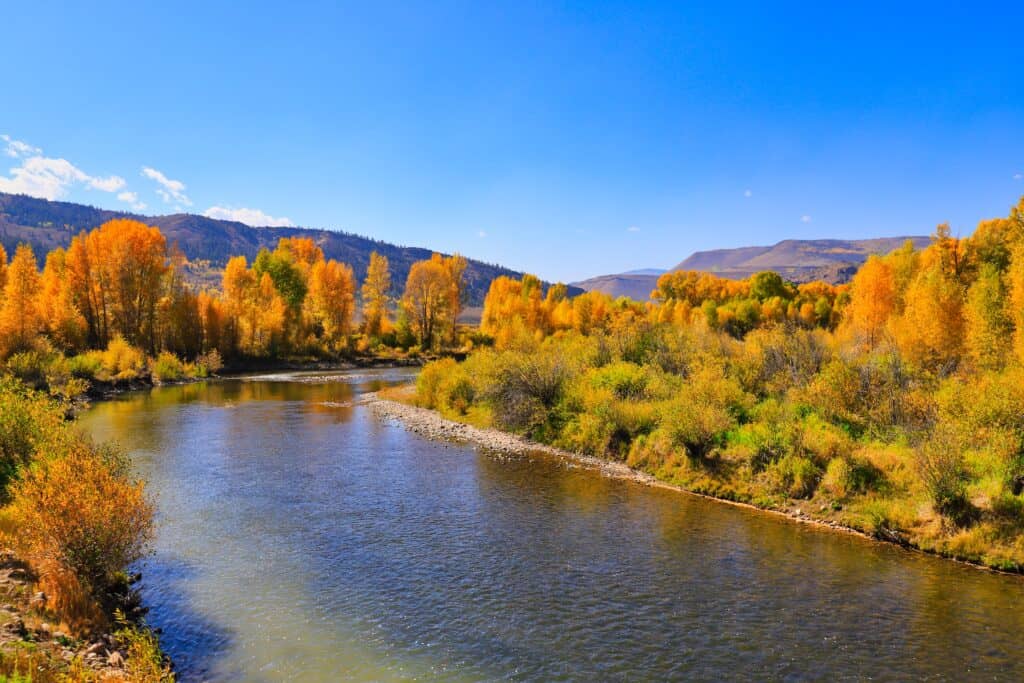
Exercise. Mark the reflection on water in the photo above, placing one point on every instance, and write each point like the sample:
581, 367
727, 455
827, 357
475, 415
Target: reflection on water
301, 539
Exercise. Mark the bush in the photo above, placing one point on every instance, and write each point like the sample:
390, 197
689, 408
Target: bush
524, 388
940, 464
430, 381
624, 380
86, 365
794, 476
145, 661
209, 363
167, 368
29, 424
122, 362
80, 519
30, 367
847, 476
708, 405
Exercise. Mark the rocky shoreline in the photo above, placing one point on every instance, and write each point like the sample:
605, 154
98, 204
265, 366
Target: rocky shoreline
431, 425
29, 639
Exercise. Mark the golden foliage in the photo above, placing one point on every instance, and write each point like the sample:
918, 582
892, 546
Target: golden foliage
80, 520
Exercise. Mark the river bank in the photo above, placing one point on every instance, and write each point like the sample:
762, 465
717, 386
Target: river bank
430, 424
35, 646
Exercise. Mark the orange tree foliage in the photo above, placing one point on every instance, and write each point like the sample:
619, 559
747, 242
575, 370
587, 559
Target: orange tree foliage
330, 300
20, 319
80, 518
872, 302
116, 277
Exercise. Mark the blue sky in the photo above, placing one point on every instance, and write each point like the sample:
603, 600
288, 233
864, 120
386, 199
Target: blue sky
567, 139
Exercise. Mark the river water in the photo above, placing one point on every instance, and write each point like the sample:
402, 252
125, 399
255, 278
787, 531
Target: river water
301, 539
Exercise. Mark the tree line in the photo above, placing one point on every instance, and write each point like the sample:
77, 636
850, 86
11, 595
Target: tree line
122, 283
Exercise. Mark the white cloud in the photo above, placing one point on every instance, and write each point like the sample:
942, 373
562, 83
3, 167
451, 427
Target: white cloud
47, 177
1018, 176
632, 228
253, 217
748, 194
805, 219
482, 234
17, 148
133, 199
111, 184
171, 191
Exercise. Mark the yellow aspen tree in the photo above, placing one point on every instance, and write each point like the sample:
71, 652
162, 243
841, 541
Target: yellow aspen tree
426, 298
376, 296
61, 318
20, 320
872, 302
989, 327
930, 331
330, 300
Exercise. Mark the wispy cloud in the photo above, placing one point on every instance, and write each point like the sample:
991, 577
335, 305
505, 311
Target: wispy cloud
48, 177
632, 228
482, 234
1018, 176
111, 184
171, 191
748, 194
805, 219
133, 199
253, 217
17, 148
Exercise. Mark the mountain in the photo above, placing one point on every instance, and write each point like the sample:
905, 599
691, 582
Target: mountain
796, 260
208, 242
634, 285
646, 271
830, 260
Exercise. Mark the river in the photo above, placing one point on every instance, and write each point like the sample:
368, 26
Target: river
302, 539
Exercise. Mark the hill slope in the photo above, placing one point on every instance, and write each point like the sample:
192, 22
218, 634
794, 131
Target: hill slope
830, 260
46, 225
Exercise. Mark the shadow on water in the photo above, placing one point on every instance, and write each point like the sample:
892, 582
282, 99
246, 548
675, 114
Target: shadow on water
195, 642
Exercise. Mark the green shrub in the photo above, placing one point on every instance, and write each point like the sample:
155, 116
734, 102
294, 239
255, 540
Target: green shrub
86, 365
29, 424
847, 476
167, 368
121, 362
430, 380
30, 367
624, 380
794, 476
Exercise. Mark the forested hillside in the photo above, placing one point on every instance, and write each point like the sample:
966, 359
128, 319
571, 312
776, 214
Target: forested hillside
208, 243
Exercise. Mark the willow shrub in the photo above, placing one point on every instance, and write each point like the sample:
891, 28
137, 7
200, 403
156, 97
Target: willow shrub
80, 520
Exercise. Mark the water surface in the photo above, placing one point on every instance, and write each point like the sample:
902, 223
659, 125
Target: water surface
301, 539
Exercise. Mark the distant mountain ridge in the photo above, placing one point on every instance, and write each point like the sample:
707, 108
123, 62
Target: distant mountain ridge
48, 224
831, 260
